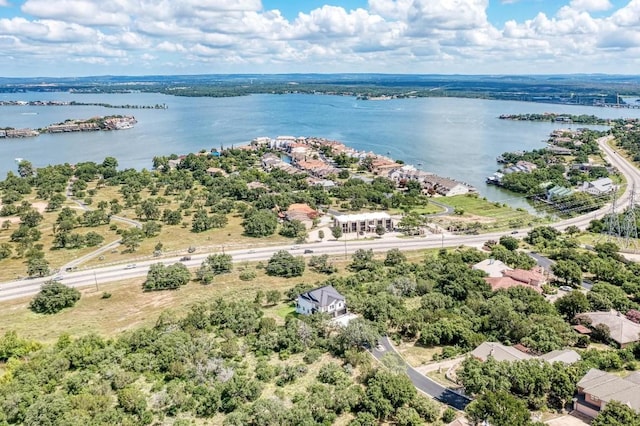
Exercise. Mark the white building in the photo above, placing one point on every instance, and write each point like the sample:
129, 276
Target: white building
598, 187
324, 300
363, 222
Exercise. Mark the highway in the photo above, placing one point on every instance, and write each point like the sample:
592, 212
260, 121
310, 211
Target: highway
102, 275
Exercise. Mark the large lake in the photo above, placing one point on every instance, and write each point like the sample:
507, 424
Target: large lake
452, 137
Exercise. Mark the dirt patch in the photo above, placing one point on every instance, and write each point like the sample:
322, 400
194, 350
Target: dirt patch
40, 206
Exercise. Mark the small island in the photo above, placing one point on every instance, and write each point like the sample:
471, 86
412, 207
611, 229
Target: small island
111, 122
559, 118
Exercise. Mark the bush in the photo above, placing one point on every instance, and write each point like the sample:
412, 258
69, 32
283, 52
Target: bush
248, 275
53, 298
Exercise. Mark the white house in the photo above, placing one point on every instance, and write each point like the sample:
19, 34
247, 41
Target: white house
324, 299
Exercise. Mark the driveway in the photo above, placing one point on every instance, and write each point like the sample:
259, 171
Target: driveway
422, 382
567, 420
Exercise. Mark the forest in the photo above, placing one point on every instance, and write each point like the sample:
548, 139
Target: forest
228, 362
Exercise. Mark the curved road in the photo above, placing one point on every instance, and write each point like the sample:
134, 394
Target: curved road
96, 276
422, 382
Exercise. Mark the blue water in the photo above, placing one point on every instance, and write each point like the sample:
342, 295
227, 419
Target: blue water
458, 138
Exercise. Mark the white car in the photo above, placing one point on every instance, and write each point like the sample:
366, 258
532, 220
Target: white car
565, 288
130, 266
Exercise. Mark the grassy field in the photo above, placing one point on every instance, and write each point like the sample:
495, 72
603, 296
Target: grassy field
491, 215
417, 355
129, 307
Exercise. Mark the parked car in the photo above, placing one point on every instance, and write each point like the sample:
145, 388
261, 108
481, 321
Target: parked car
565, 288
130, 266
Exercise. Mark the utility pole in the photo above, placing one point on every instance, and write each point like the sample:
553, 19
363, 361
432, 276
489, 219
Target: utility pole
345, 246
95, 277
443, 240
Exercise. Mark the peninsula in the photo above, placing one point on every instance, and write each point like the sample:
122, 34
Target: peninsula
111, 122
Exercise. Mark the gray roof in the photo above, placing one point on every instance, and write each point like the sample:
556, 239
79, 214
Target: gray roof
609, 387
499, 352
323, 296
621, 329
567, 356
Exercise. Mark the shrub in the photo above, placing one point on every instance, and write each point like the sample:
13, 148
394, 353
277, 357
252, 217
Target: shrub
248, 275
53, 298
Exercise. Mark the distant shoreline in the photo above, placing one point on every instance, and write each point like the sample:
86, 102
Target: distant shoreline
96, 124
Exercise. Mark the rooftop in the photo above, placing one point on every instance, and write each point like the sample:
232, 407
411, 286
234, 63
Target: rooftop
362, 217
621, 329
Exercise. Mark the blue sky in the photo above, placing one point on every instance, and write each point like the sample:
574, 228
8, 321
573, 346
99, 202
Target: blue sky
96, 37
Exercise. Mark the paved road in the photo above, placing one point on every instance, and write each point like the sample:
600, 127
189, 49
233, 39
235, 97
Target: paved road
546, 263
423, 383
22, 288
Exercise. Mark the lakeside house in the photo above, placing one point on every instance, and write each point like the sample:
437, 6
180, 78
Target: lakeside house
322, 300
597, 388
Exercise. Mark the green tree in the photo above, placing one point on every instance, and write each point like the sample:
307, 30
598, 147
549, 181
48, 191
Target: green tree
336, 232
260, 223
293, 229
25, 169
214, 264
54, 297
321, 264
132, 238
411, 223
394, 257
5, 250
571, 304
273, 297
509, 242
616, 414
499, 409
284, 264
161, 277
37, 267
362, 259
359, 333
321, 234
568, 271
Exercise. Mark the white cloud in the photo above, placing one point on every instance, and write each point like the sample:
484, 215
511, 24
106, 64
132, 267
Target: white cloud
388, 35
591, 5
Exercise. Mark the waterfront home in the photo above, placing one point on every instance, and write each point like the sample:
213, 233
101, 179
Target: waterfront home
558, 150
445, 186
321, 300
363, 222
597, 388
